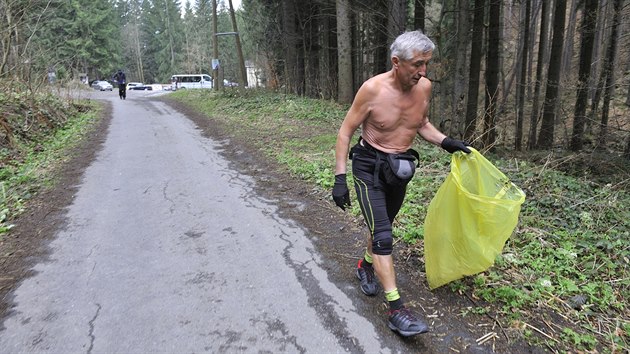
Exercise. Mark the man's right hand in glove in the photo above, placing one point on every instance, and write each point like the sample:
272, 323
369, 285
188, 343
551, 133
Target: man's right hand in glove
340, 192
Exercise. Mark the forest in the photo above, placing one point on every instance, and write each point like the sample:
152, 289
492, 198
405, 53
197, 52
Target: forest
516, 75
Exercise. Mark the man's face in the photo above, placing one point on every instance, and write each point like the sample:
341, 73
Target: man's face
412, 70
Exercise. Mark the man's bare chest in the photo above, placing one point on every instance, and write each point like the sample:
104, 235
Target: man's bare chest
396, 112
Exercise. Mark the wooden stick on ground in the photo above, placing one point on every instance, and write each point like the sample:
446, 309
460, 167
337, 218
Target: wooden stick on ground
541, 332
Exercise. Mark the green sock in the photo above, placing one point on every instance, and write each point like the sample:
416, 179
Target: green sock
393, 297
367, 258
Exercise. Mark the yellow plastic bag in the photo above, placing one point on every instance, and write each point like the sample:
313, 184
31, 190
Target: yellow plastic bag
468, 221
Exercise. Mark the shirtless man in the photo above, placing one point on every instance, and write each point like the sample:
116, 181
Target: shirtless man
391, 108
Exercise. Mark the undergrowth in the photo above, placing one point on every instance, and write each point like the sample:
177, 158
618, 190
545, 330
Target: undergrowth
562, 280
35, 131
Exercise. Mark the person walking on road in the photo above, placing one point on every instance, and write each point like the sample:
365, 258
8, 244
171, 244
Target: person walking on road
121, 79
391, 108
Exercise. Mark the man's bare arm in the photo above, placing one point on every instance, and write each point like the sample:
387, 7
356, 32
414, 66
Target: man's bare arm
431, 134
357, 113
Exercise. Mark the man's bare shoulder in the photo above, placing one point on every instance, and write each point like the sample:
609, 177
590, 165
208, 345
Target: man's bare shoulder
424, 85
375, 83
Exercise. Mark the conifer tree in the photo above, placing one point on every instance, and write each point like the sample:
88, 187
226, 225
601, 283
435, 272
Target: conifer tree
163, 37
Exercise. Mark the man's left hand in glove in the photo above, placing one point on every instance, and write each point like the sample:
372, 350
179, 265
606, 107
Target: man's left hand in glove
451, 145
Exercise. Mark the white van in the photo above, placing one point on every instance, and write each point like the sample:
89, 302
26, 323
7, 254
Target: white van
189, 81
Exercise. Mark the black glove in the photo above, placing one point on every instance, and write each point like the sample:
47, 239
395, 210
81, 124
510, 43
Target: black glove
451, 145
340, 192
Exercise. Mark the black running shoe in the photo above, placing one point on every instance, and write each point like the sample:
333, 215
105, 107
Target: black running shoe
405, 323
366, 276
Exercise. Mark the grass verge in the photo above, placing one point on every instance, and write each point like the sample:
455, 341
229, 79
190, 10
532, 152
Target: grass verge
37, 131
562, 280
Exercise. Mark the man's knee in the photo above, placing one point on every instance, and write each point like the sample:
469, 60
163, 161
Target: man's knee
382, 243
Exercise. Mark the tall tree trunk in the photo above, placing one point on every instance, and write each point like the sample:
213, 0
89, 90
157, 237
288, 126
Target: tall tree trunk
603, 37
545, 138
216, 83
344, 48
357, 43
492, 73
136, 44
459, 82
310, 49
609, 64
567, 53
533, 33
523, 78
328, 64
419, 12
380, 53
540, 65
589, 19
138, 51
239, 50
476, 54
290, 41
395, 21
600, 35
7, 36
598, 73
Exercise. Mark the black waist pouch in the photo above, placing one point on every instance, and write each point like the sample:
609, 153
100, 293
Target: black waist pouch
394, 169
398, 169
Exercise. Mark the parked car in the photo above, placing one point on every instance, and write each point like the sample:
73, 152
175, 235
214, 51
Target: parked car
134, 84
141, 87
102, 85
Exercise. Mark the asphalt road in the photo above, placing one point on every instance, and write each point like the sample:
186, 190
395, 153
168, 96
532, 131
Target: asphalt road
167, 249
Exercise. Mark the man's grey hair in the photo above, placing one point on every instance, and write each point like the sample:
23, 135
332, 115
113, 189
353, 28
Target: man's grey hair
408, 42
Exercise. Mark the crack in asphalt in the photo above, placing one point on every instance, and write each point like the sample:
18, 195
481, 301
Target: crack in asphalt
276, 325
93, 267
172, 208
91, 323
